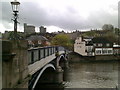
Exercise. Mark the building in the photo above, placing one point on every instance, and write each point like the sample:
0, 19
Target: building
102, 46
74, 34
83, 46
79, 46
37, 41
42, 30
94, 46
116, 49
29, 29
90, 48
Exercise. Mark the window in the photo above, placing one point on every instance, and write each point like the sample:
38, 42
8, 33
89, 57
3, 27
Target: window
100, 45
94, 44
98, 52
78, 46
116, 51
39, 42
109, 51
107, 44
104, 51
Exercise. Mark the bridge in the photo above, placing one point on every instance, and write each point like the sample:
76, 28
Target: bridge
27, 68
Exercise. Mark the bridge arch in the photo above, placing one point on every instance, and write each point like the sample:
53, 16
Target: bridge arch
41, 72
62, 61
61, 57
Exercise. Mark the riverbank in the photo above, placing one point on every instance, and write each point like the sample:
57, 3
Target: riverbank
74, 57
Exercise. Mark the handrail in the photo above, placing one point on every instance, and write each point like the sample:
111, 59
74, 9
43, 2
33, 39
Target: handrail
38, 53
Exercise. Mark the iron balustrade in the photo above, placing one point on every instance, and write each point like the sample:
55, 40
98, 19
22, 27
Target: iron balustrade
36, 54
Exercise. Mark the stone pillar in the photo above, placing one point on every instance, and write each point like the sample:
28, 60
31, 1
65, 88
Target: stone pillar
66, 75
14, 64
66, 70
66, 65
66, 60
58, 75
7, 59
20, 63
118, 86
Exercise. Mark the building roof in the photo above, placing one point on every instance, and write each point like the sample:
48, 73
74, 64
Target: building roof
88, 37
116, 45
37, 37
90, 43
101, 40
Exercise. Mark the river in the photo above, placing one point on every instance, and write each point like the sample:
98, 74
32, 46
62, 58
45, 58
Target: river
92, 75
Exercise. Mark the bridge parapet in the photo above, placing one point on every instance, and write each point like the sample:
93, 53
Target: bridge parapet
36, 54
40, 56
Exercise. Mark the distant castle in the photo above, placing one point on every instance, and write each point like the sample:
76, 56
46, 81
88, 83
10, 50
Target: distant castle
28, 29
42, 29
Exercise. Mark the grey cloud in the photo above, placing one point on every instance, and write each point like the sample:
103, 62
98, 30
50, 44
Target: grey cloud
33, 13
101, 17
39, 16
113, 7
6, 14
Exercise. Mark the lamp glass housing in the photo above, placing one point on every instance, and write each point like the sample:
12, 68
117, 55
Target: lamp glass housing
15, 6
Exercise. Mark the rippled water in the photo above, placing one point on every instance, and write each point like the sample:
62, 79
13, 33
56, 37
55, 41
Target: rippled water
92, 75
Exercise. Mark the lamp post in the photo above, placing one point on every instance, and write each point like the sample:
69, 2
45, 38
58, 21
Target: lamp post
15, 4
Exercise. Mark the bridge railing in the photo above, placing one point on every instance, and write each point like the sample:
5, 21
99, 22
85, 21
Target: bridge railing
36, 54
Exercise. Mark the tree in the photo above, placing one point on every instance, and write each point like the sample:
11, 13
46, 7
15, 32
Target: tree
107, 27
91, 33
62, 40
117, 31
111, 37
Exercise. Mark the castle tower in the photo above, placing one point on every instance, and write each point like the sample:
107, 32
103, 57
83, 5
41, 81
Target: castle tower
42, 29
28, 29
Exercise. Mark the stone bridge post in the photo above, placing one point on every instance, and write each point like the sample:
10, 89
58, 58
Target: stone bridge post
7, 59
66, 60
59, 71
14, 64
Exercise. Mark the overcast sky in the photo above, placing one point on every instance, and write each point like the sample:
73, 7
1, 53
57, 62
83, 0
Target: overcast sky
61, 14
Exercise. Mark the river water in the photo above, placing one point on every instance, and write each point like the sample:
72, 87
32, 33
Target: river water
84, 75
92, 75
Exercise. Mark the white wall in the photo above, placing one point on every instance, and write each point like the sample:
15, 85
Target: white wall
79, 46
90, 50
103, 51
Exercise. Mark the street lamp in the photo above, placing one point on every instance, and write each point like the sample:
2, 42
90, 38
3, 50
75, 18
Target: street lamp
15, 4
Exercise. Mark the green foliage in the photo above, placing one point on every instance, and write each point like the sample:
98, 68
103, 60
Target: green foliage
107, 27
10, 35
110, 33
117, 31
92, 33
62, 40
111, 37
